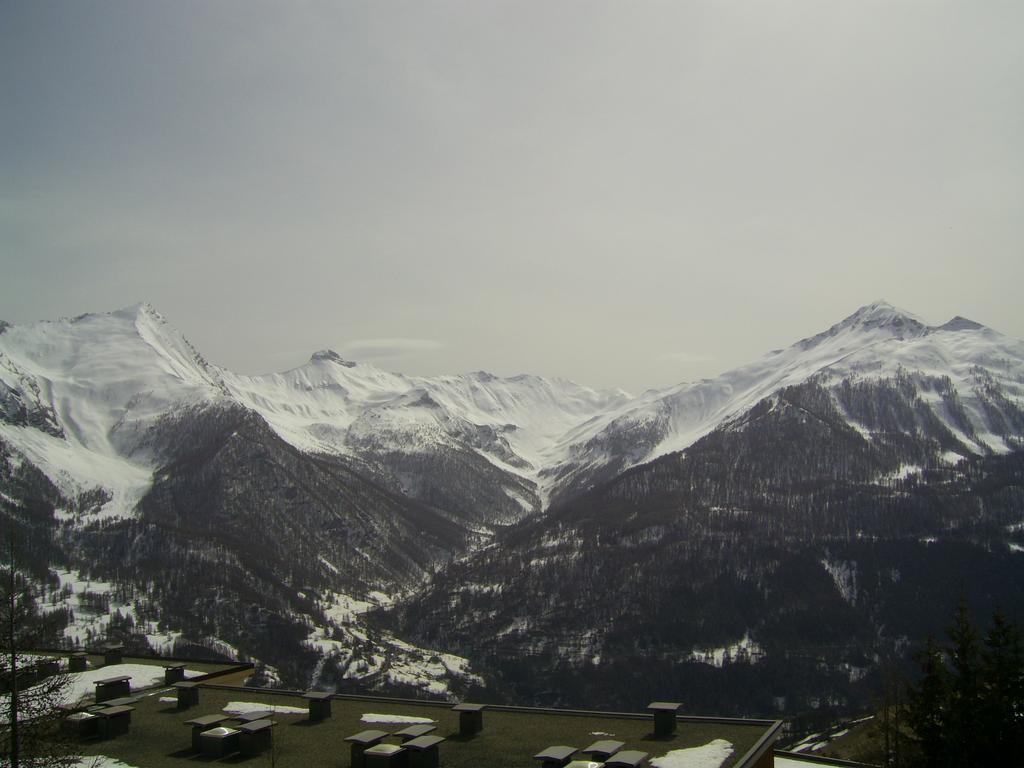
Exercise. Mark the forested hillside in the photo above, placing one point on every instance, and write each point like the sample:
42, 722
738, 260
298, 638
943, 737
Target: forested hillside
769, 567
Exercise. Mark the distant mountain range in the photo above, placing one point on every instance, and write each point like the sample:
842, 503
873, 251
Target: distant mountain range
567, 540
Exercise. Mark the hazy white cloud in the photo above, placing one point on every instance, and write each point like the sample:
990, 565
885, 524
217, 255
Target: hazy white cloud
377, 349
569, 189
685, 357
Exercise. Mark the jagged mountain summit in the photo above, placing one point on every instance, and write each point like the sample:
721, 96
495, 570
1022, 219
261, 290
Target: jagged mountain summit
337, 484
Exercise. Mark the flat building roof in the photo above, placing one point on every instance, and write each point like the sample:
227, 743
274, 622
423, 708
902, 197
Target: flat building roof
511, 736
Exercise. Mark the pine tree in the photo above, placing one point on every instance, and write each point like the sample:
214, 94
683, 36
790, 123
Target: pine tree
31, 716
1002, 684
928, 708
964, 725
967, 709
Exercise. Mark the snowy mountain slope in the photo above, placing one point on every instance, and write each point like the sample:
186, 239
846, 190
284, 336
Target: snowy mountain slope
87, 388
235, 511
78, 396
877, 342
335, 406
313, 405
100, 372
467, 469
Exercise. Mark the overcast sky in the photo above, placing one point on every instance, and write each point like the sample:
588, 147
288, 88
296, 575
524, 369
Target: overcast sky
626, 194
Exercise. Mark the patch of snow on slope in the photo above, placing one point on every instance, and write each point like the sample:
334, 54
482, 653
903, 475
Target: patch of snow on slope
88, 602
329, 565
518, 498
74, 469
163, 643
745, 651
342, 609
382, 599
905, 471
711, 755
361, 654
92, 604
844, 574
73, 580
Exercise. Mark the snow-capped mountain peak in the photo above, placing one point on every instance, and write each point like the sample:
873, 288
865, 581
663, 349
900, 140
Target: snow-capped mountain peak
879, 313
959, 323
99, 381
878, 341
879, 320
330, 356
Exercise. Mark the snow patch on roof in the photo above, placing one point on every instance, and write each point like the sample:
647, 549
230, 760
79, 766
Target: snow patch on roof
711, 755
245, 707
100, 761
375, 717
83, 684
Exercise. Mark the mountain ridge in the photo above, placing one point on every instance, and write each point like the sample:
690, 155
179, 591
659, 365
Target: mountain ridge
554, 435
864, 343
117, 435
